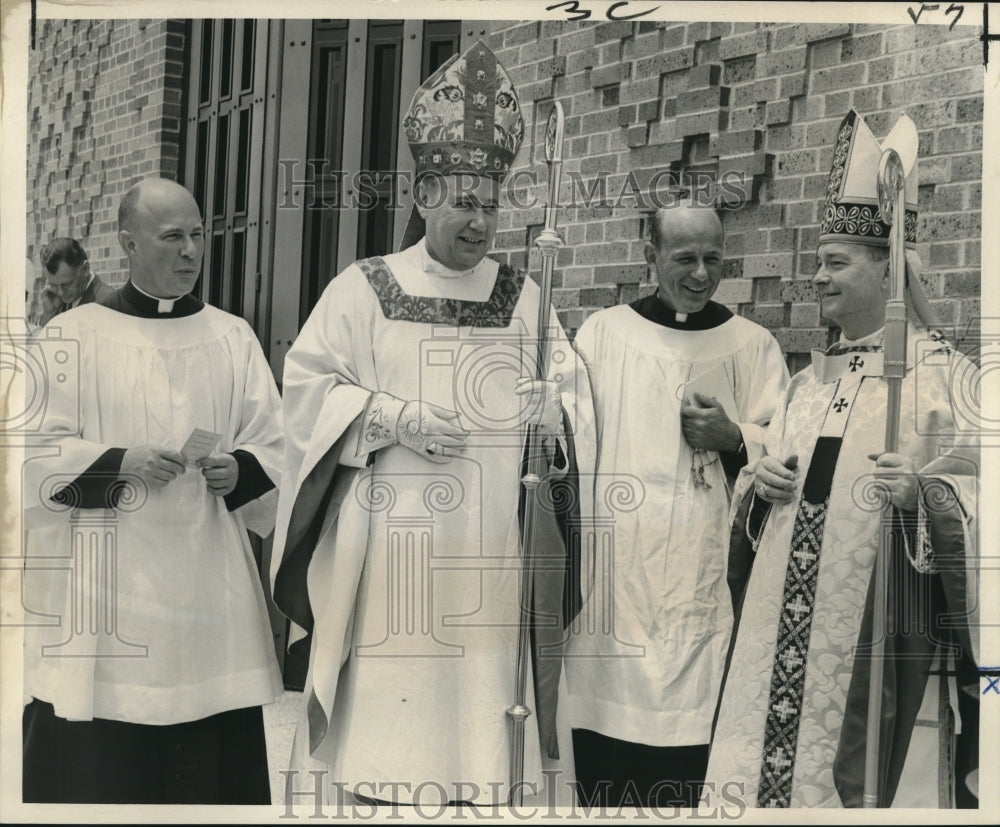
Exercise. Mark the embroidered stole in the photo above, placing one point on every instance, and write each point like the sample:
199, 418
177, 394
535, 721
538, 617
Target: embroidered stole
847, 367
496, 312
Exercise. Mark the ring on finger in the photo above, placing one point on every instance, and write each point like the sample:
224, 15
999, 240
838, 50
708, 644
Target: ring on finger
432, 448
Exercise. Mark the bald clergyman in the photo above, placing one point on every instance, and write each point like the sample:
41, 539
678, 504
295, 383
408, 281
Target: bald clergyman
145, 685
682, 391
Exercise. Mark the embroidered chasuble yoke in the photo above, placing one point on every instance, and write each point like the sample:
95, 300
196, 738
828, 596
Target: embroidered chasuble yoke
172, 568
652, 675
410, 569
786, 690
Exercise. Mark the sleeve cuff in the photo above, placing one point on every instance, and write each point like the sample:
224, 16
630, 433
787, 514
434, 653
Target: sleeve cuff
378, 424
733, 461
555, 446
96, 487
756, 517
251, 483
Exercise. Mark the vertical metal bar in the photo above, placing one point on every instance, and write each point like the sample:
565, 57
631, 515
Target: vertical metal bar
293, 131
191, 159
354, 118
268, 80
413, 42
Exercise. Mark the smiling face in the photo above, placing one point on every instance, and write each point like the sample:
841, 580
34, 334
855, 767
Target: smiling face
164, 239
688, 260
460, 212
69, 282
853, 286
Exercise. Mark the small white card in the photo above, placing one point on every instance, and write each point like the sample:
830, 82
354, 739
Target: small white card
714, 382
200, 444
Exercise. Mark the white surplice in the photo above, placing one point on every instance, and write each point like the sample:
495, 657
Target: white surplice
645, 661
173, 626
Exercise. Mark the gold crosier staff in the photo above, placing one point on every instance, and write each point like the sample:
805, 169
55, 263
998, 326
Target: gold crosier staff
892, 208
548, 242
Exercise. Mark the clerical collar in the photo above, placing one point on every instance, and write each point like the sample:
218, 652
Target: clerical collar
654, 310
865, 344
131, 300
872, 339
434, 267
162, 305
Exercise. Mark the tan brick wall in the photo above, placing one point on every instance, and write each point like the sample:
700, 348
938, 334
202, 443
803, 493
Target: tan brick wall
759, 100
763, 100
104, 110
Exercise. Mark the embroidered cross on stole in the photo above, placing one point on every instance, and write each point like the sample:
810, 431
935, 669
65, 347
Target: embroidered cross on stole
846, 367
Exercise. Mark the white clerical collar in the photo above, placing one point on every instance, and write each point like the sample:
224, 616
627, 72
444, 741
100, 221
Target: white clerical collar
162, 305
90, 281
433, 267
872, 339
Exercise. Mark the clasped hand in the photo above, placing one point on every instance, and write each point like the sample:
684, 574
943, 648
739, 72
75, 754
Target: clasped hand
155, 466
776, 480
220, 472
705, 425
897, 473
158, 467
431, 431
541, 404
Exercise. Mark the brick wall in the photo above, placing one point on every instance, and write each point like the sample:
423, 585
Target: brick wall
760, 100
104, 110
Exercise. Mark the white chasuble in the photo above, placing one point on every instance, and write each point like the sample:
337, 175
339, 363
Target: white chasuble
413, 583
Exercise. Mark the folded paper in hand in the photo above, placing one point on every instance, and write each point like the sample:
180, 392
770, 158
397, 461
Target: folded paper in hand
713, 382
200, 444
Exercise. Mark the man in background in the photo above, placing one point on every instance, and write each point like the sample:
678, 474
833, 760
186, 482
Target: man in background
69, 281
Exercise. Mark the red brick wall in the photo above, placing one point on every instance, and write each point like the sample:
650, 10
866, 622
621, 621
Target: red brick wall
764, 100
104, 110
